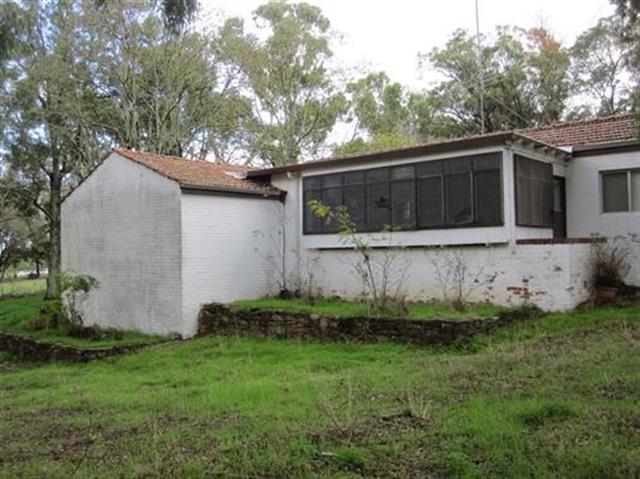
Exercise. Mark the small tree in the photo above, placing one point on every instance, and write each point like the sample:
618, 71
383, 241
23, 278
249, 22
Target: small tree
382, 278
456, 278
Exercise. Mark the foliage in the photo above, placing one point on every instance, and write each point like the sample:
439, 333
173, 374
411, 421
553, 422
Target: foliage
381, 274
249, 407
41, 319
75, 291
524, 78
609, 264
163, 93
600, 68
295, 101
456, 278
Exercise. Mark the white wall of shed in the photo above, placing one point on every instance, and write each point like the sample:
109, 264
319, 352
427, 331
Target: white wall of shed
584, 204
230, 245
122, 226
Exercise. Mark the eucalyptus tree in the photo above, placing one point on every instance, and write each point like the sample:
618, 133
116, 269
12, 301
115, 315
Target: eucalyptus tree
524, 80
47, 107
162, 92
284, 68
602, 68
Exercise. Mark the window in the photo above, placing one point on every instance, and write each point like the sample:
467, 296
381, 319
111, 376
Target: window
448, 193
534, 192
621, 191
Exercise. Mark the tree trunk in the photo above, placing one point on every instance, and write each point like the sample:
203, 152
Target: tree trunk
37, 268
54, 260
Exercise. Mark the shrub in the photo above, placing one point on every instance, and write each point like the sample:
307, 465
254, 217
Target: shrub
608, 264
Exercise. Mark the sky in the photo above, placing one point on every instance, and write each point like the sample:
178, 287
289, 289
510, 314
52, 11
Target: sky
388, 34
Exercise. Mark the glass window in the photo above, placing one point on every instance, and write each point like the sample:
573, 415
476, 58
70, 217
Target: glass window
464, 191
354, 199
403, 207
488, 197
635, 190
458, 209
378, 206
430, 202
615, 192
621, 191
534, 192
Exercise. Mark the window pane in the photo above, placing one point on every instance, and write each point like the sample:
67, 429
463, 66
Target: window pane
430, 208
379, 174
457, 165
490, 161
312, 224
378, 206
488, 204
354, 178
534, 192
354, 201
402, 173
614, 192
314, 182
331, 197
329, 181
635, 190
458, 199
403, 199
428, 169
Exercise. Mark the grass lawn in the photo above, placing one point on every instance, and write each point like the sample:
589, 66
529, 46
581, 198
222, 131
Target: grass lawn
16, 315
22, 287
349, 309
558, 396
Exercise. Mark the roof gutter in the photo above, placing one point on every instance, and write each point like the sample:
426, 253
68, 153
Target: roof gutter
191, 188
492, 139
608, 147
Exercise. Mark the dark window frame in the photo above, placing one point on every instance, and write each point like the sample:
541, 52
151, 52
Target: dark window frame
495, 157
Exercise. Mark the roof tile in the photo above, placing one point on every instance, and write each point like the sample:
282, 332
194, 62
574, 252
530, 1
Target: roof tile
589, 132
200, 173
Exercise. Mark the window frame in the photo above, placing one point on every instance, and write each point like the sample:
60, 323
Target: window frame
629, 172
496, 156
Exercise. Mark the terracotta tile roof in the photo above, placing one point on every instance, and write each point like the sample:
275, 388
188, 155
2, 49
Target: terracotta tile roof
201, 174
589, 132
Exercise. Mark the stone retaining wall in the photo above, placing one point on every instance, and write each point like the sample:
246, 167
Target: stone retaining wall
30, 348
220, 319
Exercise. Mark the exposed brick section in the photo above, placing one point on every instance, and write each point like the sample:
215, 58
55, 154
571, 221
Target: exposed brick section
30, 348
221, 320
200, 173
561, 241
599, 130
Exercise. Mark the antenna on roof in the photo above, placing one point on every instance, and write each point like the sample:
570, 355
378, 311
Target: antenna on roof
480, 69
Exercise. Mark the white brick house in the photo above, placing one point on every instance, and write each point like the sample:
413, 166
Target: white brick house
164, 235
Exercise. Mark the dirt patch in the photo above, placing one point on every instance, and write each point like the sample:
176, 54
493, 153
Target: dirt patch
373, 430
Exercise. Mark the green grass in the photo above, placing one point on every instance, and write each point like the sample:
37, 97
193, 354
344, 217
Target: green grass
17, 314
558, 396
22, 287
350, 309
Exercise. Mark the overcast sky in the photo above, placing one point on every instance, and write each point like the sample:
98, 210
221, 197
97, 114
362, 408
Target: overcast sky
388, 34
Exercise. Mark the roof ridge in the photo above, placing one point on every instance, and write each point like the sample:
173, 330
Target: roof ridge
126, 151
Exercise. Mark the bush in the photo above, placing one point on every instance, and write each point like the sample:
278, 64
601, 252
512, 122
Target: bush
609, 264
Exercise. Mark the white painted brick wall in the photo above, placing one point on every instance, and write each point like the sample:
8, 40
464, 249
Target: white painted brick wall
554, 276
226, 240
122, 226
